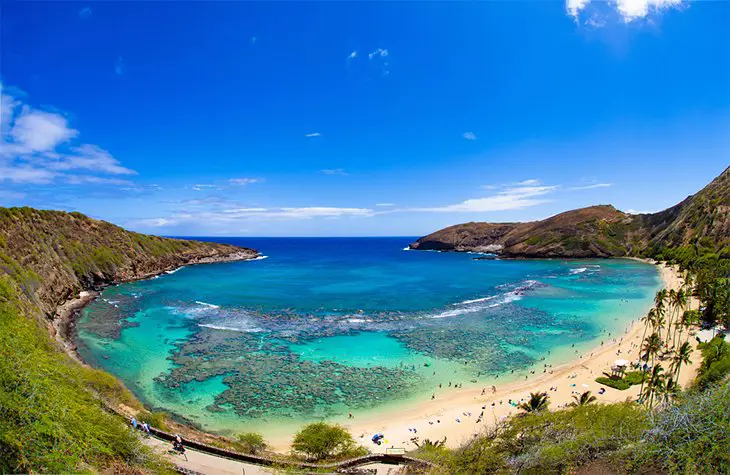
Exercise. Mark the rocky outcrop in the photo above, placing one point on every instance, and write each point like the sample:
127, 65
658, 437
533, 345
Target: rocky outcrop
61, 254
597, 231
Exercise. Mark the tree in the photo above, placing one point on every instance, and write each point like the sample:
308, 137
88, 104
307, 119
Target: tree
651, 347
654, 386
319, 440
251, 442
538, 402
679, 301
583, 400
647, 320
681, 356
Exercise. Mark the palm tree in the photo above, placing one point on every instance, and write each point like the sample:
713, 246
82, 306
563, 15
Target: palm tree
669, 389
679, 301
583, 400
651, 347
538, 402
647, 320
660, 299
654, 386
681, 357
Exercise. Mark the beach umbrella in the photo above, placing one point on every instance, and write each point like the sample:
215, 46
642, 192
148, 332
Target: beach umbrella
621, 362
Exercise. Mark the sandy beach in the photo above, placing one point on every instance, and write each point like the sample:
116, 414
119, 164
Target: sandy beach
455, 413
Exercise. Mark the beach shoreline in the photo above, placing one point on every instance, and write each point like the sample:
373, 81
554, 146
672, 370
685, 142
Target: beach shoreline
453, 414
436, 419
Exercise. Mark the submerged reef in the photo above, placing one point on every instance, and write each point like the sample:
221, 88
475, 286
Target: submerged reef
265, 378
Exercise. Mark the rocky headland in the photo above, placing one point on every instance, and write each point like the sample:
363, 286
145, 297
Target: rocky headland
598, 231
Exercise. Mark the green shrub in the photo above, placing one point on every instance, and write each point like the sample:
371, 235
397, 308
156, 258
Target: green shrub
715, 362
319, 441
691, 436
251, 442
158, 420
49, 421
552, 442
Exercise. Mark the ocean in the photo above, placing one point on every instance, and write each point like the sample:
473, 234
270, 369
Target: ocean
324, 327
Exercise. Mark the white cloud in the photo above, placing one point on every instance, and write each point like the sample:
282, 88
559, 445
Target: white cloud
530, 182
313, 134
575, 6
380, 52
628, 10
201, 187
352, 55
36, 146
591, 187
95, 180
85, 12
38, 131
334, 171
469, 135
385, 204
119, 66
26, 174
227, 217
244, 181
510, 198
91, 157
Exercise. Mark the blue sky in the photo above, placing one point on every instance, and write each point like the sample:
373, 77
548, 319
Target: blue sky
345, 118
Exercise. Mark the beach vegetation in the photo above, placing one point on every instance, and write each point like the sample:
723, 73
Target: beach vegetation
583, 399
49, 420
538, 402
319, 441
715, 364
251, 442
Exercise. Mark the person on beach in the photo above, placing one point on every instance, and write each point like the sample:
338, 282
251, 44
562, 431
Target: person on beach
134, 422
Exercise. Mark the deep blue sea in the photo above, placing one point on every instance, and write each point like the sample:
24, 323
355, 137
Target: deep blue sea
325, 326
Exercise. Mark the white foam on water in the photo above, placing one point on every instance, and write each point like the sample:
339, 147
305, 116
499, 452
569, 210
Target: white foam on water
205, 304
407, 248
231, 328
579, 270
259, 258
174, 270
484, 299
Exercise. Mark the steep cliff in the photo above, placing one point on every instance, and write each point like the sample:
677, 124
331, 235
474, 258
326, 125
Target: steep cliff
599, 231
69, 252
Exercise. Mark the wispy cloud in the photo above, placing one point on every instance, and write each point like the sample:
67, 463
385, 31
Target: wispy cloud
227, 217
352, 55
380, 59
334, 171
36, 146
119, 66
204, 186
244, 181
313, 134
590, 187
378, 52
530, 182
384, 204
469, 135
596, 13
253, 40
85, 12
516, 197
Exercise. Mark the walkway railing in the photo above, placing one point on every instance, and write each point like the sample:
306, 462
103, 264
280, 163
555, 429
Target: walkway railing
391, 459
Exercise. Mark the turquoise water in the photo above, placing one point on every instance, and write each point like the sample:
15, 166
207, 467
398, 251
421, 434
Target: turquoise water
324, 327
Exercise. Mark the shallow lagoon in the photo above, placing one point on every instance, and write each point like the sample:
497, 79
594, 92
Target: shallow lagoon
323, 327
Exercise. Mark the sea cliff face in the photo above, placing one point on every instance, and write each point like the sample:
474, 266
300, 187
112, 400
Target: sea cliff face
62, 254
599, 231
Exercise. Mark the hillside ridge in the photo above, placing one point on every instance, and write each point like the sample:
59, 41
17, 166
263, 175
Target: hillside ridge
598, 231
65, 253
